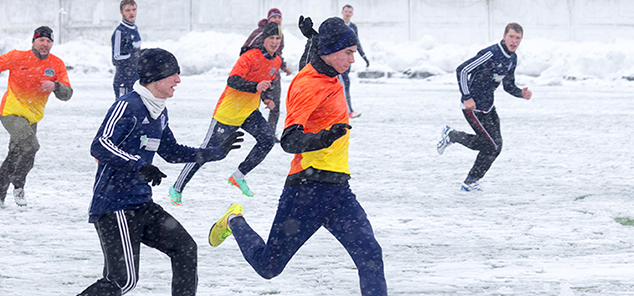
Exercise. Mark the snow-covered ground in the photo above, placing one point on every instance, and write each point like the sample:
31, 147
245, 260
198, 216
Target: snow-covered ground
555, 217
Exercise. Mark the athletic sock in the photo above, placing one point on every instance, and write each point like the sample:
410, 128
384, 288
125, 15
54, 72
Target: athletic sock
469, 180
238, 175
231, 218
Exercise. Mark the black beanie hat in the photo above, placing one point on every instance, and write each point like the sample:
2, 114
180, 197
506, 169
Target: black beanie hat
43, 31
335, 35
271, 29
156, 64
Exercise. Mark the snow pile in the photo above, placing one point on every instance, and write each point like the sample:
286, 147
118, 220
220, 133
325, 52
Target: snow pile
548, 62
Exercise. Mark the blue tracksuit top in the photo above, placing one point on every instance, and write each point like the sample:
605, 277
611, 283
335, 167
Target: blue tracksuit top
126, 43
127, 139
479, 76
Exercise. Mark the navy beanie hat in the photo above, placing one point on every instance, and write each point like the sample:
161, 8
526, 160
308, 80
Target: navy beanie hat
271, 29
43, 31
156, 64
335, 35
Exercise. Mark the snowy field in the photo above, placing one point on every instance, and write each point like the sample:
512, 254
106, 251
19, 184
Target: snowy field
555, 217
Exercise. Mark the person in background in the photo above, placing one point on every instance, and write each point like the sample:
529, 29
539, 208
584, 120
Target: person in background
126, 43
478, 78
346, 13
33, 75
274, 92
238, 108
316, 193
134, 130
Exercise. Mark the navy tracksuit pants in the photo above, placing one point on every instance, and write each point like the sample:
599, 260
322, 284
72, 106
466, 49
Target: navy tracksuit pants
255, 125
124, 79
487, 140
121, 234
302, 210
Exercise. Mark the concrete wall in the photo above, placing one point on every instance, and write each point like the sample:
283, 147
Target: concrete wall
448, 21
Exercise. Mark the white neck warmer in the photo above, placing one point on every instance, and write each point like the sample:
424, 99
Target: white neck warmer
154, 105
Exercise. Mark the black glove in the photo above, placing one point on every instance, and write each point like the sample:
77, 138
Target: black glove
230, 143
148, 173
219, 152
306, 26
337, 131
367, 62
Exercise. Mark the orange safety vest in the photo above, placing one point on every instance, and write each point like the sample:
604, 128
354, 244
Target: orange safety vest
235, 106
316, 102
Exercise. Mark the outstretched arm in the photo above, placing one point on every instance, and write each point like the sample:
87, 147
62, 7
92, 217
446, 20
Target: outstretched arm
173, 152
295, 140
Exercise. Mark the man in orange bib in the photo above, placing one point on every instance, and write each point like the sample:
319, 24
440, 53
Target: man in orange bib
33, 75
316, 193
238, 108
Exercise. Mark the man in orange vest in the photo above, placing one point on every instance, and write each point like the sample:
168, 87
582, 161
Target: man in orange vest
238, 108
274, 92
316, 193
33, 75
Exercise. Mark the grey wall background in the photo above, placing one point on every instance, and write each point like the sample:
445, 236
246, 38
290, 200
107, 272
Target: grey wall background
448, 21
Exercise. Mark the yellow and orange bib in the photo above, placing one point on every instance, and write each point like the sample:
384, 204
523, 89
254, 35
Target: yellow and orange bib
235, 106
24, 96
316, 102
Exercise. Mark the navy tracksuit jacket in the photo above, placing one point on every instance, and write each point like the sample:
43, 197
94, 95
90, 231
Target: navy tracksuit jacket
481, 75
126, 43
127, 139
